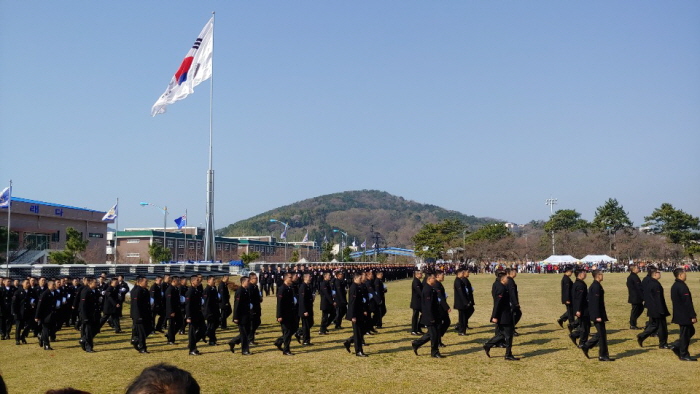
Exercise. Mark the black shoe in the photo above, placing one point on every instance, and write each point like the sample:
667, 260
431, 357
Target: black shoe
82, 343
90, 351
253, 343
171, 343
307, 344
512, 358
488, 351
195, 353
414, 333
323, 333
144, 351
640, 341
560, 322
676, 351
634, 328
287, 354
502, 346
17, 343
213, 343
232, 347
687, 359
461, 334
414, 346
605, 359
338, 327
585, 351
437, 355
347, 346
24, 340
246, 353
47, 347
573, 339
298, 338
360, 354
665, 347
279, 346
118, 331
516, 334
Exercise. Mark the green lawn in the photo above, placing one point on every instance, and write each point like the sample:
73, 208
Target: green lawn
550, 362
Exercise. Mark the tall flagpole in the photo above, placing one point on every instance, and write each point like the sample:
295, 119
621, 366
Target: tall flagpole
116, 231
9, 214
209, 245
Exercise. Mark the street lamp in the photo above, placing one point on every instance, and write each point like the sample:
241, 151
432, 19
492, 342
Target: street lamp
165, 217
285, 235
335, 230
551, 202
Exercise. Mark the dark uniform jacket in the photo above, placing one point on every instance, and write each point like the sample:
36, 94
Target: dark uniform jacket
326, 291
596, 302
46, 306
682, 301
255, 299
225, 295
193, 304
210, 309
634, 289
513, 291
172, 301
501, 304
157, 295
579, 297
442, 296
286, 308
379, 290
416, 294
357, 303
6, 294
566, 284
340, 297
88, 305
306, 300
111, 300
241, 303
460, 292
470, 292
21, 305
654, 300
431, 309
140, 305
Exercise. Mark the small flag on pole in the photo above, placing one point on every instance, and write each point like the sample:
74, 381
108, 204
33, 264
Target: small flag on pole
306, 237
374, 245
181, 221
364, 244
284, 233
194, 69
5, 197
353, 242
111, 214
325, 239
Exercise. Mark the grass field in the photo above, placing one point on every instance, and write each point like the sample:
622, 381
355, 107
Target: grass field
550, 362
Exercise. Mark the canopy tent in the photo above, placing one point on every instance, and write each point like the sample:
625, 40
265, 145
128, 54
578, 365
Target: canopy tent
560, 259
597, 258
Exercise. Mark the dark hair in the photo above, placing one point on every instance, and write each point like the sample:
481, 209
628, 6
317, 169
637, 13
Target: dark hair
163, 378
250, 275
578, 271
677, 272
500, 274
210, 277
595, 273
159, 277
67, 390
244, 278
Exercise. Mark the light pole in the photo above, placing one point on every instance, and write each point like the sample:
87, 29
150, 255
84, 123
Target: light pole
285, 236
551, 202
335, 230
165, 218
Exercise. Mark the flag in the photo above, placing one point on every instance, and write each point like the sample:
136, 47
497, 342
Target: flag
374, 245
325, 240
195, 69
306, 237
353, 242
181, 221
111, 214
364, 244
5, 197
284, 233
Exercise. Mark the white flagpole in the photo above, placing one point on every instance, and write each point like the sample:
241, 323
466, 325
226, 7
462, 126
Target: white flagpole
209, 243
116, 231
9, 214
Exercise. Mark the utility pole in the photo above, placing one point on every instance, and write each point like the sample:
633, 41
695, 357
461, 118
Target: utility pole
551, 202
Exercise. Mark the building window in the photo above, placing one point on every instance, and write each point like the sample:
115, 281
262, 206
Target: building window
133, 255
133, 240
56, 237
170, 243
181, 257
181, 245
96, 235
226, 247
191, 245
218, 246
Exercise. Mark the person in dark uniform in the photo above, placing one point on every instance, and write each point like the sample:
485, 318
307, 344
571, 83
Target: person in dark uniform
194, 316
635, 296
111, 307
579, 305
357, 312
683, 315
158, 308
224, 301
380, 291
183, 288
596, 307
327, 304
123, 289
460, 302
566, 284
21, 311
87, 313
340, 299
442, 299
368, 284
6, 293
514, 298
657, 311
173, 310
469, 311
306, 309
416, 296
210, 309
286, 314
140, 314
502, 316
46, 307
241, 316
431, 317
256, 300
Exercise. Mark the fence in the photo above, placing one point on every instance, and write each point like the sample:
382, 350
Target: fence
130, 271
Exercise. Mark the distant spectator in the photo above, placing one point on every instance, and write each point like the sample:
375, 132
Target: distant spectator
163, 379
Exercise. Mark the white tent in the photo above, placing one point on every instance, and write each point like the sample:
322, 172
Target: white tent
560, 259
597, 258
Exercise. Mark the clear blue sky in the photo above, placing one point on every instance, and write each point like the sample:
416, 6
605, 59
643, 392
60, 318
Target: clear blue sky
487, 108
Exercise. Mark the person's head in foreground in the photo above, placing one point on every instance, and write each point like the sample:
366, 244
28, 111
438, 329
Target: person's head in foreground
163, 379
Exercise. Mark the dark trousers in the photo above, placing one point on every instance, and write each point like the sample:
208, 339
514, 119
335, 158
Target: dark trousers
379, 316
197, 331
243, 337
659, 326
504, 334
414, 321
517, 314
582, 330
21, 329
340, 312
444, 325
173, 327
326, 317
47, 332
306, 323
5, 325
87, 331
212, 325
569, 316
138, 336
358, 335
111, 318
288, 329
225, 313
637, 310
266, 289
254, 324
463, 319
687, 332
433, 335
600, 338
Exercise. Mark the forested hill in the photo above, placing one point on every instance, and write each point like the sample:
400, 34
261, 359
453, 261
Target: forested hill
353, 212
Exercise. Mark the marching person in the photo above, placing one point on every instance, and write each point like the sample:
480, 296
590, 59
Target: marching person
416, 297
241, 316
596, 307
194, 316
460, 302
157, 306
635, 296
88, 310
46, 307
579, 305
21, 311
657, 311
514, 298
340, 299
469, 311
328, 305
431, 317
380, 290
502, 316
357, 312
566, 285
306, 310
256, 300
683, 315
140, 314
6, 293
224, 301
442, 299
111, 306
286, 314
210, 309
173, 309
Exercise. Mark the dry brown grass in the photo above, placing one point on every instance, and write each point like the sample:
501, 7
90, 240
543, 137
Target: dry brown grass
550, 363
